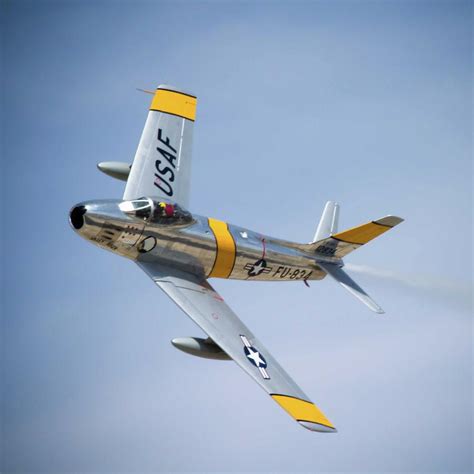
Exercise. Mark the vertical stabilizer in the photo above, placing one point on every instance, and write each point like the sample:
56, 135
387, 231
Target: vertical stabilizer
328, 223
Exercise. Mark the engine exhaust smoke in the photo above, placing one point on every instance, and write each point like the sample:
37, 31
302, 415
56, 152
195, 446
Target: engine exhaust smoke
437, 286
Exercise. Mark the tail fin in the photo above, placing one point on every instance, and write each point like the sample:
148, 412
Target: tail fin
328, 223
345, 242
350, 285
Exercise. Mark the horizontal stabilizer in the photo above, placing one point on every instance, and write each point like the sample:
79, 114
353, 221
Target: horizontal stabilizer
350, 285
342, 243
363, 234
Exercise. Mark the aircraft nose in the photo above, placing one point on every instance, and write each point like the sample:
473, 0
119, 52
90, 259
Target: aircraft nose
77, 216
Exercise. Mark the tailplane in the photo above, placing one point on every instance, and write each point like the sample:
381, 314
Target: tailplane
331, 246
340, 244
350, 285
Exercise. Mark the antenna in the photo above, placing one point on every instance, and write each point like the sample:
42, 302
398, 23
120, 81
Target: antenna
146, 91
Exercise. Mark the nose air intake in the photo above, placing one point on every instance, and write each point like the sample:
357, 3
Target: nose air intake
77, 217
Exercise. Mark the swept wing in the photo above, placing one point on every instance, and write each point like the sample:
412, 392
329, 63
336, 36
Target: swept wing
162, 163
196, 297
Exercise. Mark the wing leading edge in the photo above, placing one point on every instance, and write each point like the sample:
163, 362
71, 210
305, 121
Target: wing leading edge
197, 298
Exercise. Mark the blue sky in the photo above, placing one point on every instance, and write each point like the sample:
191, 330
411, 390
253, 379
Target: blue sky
367, 103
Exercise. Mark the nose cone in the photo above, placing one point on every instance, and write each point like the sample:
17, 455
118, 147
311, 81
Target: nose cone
85, 219
88, 218
76, 217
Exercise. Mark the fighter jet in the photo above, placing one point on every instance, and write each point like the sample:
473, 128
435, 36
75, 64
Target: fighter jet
180, 251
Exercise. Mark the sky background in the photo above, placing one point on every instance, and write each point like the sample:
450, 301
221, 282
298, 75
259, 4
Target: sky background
367, 103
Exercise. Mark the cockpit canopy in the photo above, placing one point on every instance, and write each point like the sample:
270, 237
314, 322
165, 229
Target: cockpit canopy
156, 211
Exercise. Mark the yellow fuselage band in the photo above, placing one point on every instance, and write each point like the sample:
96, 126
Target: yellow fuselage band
301, 410
225, 249
176, 103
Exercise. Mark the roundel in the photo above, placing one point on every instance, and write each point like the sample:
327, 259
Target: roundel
255, 357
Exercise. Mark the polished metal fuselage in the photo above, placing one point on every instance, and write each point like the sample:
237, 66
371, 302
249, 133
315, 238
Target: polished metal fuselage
195, 247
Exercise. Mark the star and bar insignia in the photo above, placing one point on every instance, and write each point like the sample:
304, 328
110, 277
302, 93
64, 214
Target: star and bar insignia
255, 357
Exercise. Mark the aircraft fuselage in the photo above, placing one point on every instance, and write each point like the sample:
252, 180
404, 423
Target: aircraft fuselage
194, 243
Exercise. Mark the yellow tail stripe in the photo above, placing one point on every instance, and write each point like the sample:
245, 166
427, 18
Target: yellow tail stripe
225, 251
301, 410
362, 234
175, 103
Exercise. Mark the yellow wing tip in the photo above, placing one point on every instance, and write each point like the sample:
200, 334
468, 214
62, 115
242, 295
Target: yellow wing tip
170, 100
306, 413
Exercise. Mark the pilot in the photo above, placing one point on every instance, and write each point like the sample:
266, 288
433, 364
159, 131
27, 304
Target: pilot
167, 210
